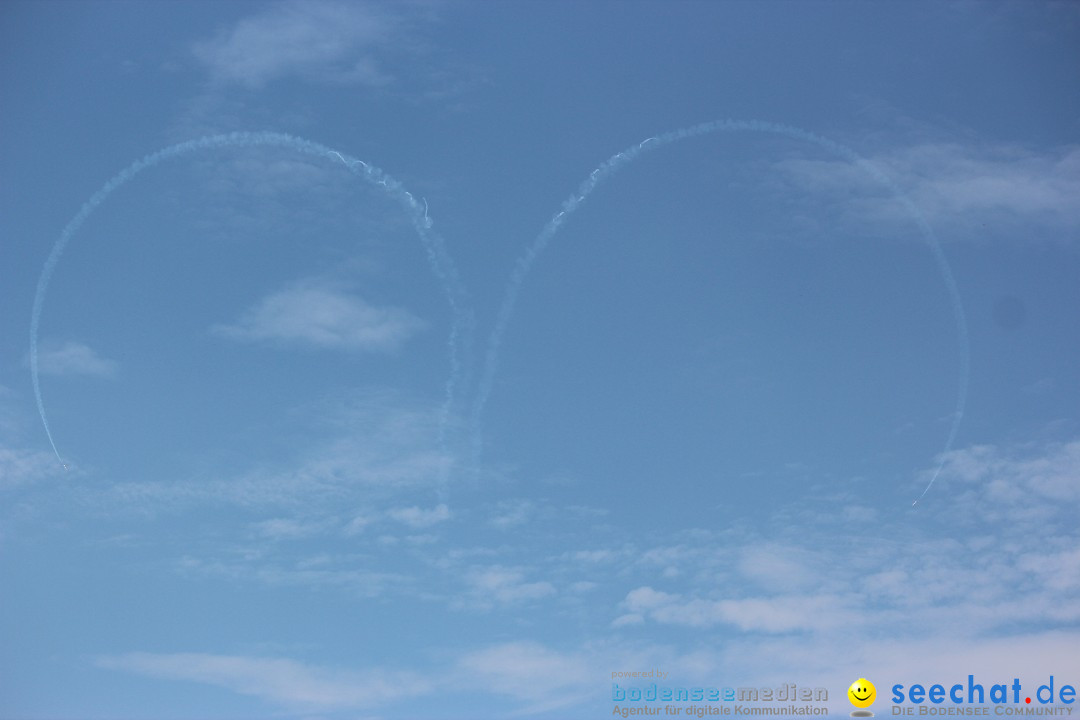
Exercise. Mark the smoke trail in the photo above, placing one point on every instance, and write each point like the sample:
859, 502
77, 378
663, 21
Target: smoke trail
437, 255
463, 321
621, 159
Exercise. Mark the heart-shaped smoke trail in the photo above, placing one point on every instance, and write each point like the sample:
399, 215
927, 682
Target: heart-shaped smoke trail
620, 160
438, 257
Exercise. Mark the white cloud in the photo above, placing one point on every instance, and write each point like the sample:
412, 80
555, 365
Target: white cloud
779, 567
913, 601
356, 525
418, 517
275, 679
671, 556
497, 585
511, 514
528, 671
288, 528
627, 619
319, 41
327, 572
592, 556
996, 549
317, 315
542, 678
19, 466
645, 599
73, 358
946, 658
965, 191
772, 614
972, 182
377, 445
778, 614
1027, 483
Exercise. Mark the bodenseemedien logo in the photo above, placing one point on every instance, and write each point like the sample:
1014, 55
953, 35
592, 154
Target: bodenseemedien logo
660, 698
862, 694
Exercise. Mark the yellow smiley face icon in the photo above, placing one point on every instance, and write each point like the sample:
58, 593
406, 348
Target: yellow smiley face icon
862, 693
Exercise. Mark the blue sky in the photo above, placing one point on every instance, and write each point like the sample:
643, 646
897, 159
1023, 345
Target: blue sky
304, 479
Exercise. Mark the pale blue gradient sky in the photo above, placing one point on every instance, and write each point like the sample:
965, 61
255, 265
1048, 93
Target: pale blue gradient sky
724, 382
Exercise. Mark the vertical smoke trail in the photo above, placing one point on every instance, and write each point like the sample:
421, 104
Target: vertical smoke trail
621, 159
437, 255
463, 322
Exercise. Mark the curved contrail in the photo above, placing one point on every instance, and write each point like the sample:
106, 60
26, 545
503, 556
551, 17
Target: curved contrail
437, 255
621, 159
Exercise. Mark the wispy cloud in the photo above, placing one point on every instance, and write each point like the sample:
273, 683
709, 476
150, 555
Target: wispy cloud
331, 42
28, 470
20, 463
73, 358
325, 41
327, 572
542, 677
375, 446
285, 528
1030, 484
512, 513
969, 191
780, 614
20, 466
418, 517
994, 183
356, 525
590, 557
497, 585
276, 679
366, 45
994, 599
775, 566
315, 314
1014, 561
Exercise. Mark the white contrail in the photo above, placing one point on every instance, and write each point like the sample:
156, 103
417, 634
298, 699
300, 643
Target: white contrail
437, 255
461, 328
621, 159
